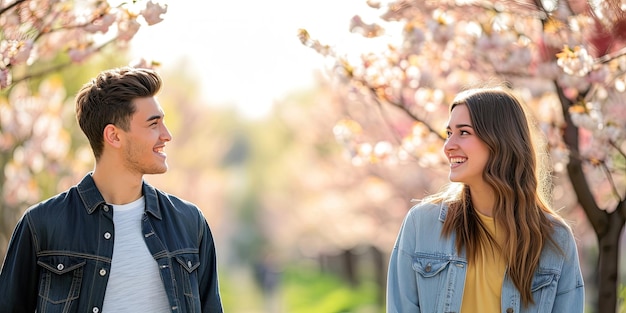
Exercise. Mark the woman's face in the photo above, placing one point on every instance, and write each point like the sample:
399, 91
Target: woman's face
466, 153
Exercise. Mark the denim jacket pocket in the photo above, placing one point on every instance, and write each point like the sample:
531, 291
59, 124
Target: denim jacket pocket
432, 275
543, 288
427, 267
60, 282
189, 261
187, 274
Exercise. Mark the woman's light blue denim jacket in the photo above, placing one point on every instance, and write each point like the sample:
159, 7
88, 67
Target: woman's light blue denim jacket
426, 274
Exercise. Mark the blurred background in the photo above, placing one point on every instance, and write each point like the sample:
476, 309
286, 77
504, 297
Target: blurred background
304, 129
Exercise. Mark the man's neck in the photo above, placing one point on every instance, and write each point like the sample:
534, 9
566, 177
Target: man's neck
116, 184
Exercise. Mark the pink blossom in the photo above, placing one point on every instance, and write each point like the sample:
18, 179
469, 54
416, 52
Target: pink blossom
101, 24
548, 70
599, 75
615, 110
127, 29
81, 54
152, 12
21, 51
576, 61
5, 78
441, 26
144, 63
49, 45
367, 30
15, 52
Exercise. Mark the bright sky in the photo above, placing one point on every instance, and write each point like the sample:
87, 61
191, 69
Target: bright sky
247, 52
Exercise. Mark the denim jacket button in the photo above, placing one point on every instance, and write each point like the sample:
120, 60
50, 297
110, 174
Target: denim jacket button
428, 267
509, 310
105, 208
95, 309
189, 264
107, 235
60, 267
103, 272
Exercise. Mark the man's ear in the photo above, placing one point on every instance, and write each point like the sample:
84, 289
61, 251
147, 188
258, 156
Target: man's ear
111, 135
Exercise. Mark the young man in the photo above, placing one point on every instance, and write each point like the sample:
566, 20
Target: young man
113, 243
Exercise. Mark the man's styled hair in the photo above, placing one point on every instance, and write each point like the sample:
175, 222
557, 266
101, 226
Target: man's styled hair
108, 99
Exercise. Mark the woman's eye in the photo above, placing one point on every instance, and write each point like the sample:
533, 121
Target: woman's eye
464, 132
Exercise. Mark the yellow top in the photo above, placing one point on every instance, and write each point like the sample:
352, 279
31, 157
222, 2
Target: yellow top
483, 283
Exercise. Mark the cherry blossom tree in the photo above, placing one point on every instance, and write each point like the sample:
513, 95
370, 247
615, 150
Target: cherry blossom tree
39, 38
567, 59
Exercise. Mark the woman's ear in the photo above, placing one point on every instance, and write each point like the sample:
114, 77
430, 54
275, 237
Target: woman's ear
111, 135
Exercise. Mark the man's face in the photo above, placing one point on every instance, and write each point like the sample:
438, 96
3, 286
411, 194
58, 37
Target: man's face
145, 140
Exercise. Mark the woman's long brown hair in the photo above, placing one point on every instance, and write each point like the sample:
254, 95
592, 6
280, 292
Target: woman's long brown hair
521, 210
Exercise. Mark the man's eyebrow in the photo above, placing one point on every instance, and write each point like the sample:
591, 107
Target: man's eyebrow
154, 117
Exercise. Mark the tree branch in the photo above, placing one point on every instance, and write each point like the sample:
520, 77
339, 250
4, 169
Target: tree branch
599, 219
407, 112
609, 177
56, 67
11, 6
620, 151
608, 57
621, 209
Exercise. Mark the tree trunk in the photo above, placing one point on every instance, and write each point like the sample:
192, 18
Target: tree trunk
349, 267
380, 265
607, 226
7, 223
608, 260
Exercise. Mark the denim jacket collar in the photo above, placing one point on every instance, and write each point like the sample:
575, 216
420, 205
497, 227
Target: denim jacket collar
152, 203
92, 198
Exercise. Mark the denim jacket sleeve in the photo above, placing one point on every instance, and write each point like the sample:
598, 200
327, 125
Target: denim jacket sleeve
208, 281
401, 282
570, 296
18, 277
201, 293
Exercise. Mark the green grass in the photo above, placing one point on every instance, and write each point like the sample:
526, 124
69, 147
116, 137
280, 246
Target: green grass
621, 298
302, 289
307, 290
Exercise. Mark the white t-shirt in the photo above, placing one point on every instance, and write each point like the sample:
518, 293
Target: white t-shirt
135, 282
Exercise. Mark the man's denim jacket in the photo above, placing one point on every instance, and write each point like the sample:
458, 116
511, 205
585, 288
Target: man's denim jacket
59, 256
426, 274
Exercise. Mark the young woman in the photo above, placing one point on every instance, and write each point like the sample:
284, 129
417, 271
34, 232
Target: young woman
489, 242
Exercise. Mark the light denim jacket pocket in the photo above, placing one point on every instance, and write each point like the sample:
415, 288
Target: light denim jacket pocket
429, 267
431, 275
544, 287
438, 277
